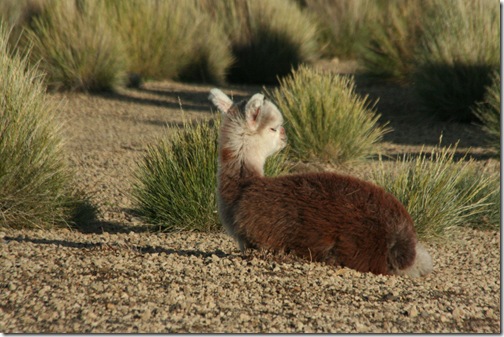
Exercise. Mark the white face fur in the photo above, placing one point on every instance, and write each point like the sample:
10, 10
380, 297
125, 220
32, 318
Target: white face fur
256, 131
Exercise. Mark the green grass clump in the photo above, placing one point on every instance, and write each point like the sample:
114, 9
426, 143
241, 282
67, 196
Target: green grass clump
268, 37
325, 118
441, 193
210, 57
394, 29
76, 47
176, 181
459, 51
35, 179
175, 184
343, 25
489, 112
171, 39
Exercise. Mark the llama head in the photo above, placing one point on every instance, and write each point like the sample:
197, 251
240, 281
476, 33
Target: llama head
251, 130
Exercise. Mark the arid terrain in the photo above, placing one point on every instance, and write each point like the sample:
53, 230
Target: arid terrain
119, 277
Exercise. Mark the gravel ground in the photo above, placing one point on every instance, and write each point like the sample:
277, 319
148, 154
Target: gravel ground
118, 277
65, 281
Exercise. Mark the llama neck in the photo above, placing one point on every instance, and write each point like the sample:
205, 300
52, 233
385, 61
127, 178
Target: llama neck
233, 171
237, 167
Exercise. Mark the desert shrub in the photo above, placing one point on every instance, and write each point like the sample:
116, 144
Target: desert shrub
175, 184
76, 47
343, 25
441, 193
325, 118
34, 176
394, 29
489, 112
268, 37
459, 50
170, 39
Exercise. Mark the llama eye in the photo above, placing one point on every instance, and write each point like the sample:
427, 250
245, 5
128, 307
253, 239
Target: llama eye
273, 129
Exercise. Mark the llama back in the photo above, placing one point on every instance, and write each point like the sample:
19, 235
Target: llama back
327, 217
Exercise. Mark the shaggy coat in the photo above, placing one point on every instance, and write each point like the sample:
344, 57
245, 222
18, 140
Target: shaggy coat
327, 217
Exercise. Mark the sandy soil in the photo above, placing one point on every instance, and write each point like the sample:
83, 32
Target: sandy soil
118, 277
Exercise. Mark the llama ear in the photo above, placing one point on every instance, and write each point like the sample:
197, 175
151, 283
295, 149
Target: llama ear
252, 110
220, 100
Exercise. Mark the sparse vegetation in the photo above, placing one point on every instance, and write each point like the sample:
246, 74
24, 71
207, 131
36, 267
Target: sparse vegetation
489, 112
34, 175
175, 184
459, 51
441, 193
326, 119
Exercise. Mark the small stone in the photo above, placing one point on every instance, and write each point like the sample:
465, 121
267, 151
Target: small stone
342, 271
244, 317
146, 315
457, 313
391, 281
91, 315
359, 327
413, 311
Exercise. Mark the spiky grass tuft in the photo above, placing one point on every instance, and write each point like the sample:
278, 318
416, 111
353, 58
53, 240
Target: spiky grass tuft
76, 47
326, 119
441, 193
175, 184
176, 181
35, 179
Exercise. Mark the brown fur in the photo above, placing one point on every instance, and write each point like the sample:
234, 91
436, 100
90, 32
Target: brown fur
325, 217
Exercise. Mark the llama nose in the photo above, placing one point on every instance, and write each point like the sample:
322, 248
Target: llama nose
283, 136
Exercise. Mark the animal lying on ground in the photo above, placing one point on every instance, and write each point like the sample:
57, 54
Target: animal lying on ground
327, 217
